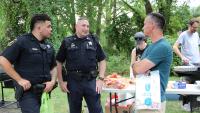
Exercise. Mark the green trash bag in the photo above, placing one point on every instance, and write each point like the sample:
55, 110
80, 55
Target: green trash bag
46, 104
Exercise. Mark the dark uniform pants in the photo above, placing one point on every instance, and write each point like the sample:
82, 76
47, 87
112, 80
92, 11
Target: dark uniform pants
30, 103
84, 88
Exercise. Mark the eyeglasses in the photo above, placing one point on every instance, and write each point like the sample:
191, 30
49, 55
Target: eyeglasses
194, 27
139, 38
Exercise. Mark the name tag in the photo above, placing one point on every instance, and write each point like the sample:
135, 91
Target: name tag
35, 49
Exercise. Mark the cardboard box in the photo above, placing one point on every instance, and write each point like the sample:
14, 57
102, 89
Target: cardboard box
120, 109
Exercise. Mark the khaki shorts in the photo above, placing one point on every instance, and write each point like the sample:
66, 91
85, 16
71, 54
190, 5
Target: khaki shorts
162, 110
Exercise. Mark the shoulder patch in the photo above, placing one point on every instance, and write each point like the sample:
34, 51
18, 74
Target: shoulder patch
12, 42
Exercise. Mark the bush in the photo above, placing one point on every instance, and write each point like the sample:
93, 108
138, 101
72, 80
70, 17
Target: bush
119, 34
119, 64
176, 60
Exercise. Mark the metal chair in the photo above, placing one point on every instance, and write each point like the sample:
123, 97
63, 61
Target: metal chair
5, 82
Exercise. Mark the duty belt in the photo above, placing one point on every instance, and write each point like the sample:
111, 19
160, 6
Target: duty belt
36, 89
80, 75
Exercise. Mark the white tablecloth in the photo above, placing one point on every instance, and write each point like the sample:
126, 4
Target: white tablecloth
129, 89
191, 89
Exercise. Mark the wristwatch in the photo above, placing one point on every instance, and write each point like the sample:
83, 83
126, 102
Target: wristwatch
101, 78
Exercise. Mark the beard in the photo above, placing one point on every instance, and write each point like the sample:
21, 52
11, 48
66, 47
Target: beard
193, 31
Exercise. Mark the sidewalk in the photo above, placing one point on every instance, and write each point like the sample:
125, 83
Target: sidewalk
10, 109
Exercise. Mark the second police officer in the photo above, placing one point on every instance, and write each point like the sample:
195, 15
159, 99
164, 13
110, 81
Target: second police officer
84, 58
34, 62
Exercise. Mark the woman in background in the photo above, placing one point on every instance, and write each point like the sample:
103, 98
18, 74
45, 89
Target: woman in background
137, 52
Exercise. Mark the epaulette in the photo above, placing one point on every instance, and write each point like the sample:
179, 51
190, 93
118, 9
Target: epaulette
69, 40
95, 38
12, 42
17, 38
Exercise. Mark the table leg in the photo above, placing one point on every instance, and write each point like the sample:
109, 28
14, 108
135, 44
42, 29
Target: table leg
115, 104
2, 102
110, 102
190, 107
191, 99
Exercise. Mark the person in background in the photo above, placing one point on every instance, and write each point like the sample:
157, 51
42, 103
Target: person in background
136, 54
34, 62
189, 43
158, 56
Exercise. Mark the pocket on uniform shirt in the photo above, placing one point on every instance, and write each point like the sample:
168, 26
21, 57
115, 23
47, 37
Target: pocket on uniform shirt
34, 54
49, 55
72, 53
91, 53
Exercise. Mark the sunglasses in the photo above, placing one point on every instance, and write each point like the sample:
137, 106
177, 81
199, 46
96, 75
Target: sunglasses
139, 38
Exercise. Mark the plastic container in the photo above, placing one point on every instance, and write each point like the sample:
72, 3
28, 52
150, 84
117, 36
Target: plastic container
179, 85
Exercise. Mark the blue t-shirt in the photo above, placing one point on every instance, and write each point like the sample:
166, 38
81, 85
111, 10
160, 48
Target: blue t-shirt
160, 53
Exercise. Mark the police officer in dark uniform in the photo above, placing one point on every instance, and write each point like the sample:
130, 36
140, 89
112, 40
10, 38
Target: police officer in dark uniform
34, 62
84, 58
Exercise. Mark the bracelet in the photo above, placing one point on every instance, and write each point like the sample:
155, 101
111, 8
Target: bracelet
101, 78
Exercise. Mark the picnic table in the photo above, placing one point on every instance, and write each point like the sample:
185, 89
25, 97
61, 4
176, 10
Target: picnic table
191, 89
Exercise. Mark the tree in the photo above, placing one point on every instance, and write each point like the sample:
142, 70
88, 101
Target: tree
120, 33
179, 19
103, 15
196, 11
138, 13
15, 17
3, 39
99, 17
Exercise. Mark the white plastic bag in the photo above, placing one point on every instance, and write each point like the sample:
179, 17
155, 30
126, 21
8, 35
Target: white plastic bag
148, 91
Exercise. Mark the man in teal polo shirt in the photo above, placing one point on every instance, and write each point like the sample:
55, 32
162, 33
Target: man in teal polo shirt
158, 56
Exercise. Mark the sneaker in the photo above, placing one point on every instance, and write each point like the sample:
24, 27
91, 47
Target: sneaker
186, 107
198, 99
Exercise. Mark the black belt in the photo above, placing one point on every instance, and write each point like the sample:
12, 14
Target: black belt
80, 71
79, 75
36, 89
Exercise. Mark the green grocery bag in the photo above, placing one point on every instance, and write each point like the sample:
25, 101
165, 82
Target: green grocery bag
46, 104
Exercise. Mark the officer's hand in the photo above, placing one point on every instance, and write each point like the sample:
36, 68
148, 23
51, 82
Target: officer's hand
99, 85
63, 86
24, 83
49, 86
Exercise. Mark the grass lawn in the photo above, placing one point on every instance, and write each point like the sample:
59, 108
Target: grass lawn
59, 100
